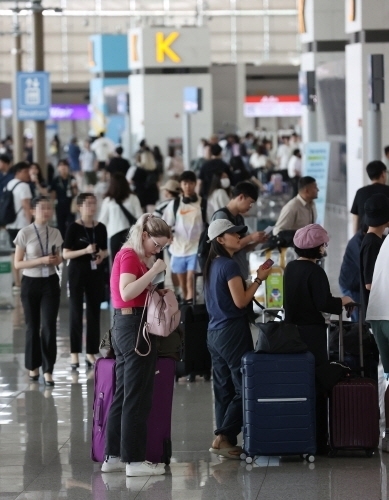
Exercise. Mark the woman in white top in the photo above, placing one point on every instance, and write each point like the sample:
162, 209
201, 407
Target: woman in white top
38, 252
119, 211
219, 194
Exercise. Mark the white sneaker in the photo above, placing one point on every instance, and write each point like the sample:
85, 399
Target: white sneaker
145, 469
385, 444
112, 464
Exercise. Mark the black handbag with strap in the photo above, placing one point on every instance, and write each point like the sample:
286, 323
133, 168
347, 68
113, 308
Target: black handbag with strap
278, 337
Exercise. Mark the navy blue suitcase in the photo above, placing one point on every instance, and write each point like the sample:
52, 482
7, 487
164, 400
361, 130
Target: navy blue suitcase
279, 405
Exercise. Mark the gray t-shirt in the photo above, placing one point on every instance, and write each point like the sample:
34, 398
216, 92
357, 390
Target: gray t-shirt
239, 257
27, 240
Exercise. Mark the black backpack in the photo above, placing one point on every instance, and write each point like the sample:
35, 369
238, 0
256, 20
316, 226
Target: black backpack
8, 213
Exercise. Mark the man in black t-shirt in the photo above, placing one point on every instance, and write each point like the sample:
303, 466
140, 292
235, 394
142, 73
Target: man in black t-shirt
118, 163
377, 218
376, 170
214, 166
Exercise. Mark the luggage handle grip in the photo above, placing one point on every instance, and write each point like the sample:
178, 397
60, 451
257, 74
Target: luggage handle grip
271, 313
360, 336
98, 409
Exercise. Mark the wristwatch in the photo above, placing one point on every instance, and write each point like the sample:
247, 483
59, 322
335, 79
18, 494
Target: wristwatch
258, 281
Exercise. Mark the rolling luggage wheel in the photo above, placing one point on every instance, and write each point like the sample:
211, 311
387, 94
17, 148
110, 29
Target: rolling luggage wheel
191, 377
310, 458
249, 460
243, 456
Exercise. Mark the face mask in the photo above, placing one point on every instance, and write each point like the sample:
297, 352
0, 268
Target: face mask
225, 183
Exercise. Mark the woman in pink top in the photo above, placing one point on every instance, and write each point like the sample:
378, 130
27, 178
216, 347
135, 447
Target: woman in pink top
133, 270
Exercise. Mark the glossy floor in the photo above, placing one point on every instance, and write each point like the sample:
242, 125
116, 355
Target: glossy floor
45, 442
45, 438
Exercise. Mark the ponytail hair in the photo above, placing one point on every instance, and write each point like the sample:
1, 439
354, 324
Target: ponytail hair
154, 226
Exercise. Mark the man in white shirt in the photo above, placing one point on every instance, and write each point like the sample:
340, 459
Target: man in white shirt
294, 169
283, 153
104, 149
88, 163
22, 197
300, 210
377, 315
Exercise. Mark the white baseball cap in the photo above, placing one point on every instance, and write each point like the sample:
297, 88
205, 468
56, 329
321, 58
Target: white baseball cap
221, 226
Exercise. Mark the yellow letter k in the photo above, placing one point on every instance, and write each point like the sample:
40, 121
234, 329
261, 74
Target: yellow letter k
162, 47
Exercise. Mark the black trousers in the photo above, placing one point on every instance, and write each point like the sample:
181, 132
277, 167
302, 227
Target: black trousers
84, 281
126, 434
315, 336
40, 298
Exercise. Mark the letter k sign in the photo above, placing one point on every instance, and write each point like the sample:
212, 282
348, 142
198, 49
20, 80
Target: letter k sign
163, 47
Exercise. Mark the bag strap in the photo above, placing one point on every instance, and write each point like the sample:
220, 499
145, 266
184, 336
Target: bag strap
176, 204
274, 314
203, 206
17, 184
146, 334
131, 219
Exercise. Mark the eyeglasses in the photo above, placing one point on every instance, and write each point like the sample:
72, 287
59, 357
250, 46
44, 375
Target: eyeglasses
157, 245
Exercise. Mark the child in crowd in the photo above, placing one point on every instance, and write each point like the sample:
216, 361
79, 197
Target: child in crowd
186, 215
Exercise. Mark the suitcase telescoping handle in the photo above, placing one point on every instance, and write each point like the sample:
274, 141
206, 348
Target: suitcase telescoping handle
360, 337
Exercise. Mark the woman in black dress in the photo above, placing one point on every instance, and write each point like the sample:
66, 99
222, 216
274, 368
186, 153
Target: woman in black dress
86, 247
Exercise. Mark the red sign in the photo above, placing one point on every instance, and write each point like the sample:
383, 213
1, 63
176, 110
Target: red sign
270, 105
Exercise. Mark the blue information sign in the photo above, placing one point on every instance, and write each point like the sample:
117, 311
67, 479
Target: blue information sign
33, 96
316, 163
192, 99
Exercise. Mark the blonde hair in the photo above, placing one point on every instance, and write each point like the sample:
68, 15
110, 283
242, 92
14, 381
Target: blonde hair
154, 226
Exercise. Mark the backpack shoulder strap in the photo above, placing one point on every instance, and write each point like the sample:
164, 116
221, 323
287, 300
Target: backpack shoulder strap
227, 212
176, 204
17, 184
203, 206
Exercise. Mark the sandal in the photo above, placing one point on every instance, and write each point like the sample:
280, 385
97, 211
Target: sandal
226, 452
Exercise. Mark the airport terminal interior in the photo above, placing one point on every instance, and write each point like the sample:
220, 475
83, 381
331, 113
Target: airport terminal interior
270, 81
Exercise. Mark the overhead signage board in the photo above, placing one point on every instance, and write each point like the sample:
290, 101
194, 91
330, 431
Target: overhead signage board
33, 96
164, 47
270, 105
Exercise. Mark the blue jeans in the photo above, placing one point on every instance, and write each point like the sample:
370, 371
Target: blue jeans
227, 346
126, 434
356, 296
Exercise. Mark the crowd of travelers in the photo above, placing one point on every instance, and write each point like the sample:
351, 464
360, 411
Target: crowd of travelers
117, 218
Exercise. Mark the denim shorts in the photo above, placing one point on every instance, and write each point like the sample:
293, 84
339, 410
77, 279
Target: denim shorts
181, 265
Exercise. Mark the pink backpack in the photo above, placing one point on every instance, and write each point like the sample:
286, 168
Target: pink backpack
163, 316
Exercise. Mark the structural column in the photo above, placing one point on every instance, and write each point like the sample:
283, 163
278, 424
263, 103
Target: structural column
321, 26
17, 126
39, 127
367, 29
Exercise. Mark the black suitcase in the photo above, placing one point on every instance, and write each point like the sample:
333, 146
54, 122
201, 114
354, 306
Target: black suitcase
195, 358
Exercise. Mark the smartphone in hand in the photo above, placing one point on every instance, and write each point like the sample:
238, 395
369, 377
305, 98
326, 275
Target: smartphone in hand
268, 264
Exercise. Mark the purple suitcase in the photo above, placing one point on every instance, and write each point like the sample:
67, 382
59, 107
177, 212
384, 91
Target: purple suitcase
159, 444
105, 386
159, 448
